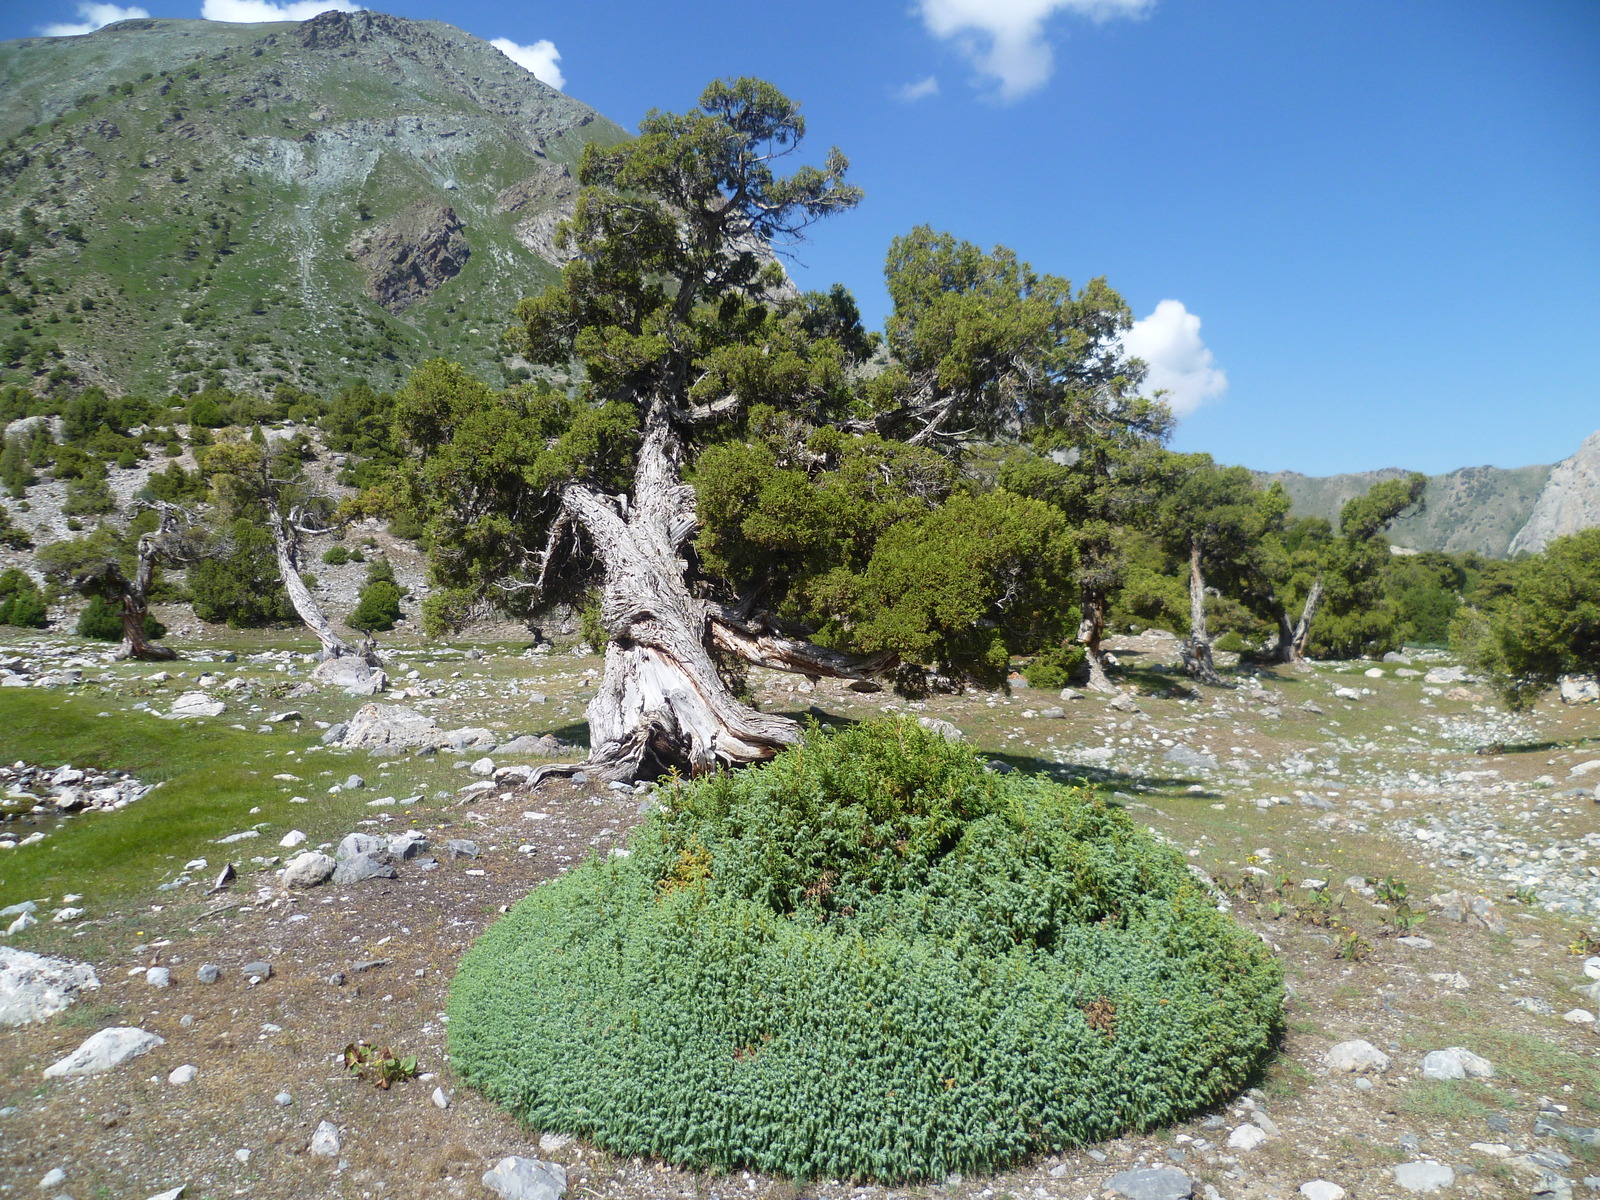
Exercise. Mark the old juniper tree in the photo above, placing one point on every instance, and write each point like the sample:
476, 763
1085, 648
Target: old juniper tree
734, 474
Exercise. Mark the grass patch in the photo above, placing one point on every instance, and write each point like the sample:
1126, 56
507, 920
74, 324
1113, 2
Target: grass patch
211, 777
1454, 1100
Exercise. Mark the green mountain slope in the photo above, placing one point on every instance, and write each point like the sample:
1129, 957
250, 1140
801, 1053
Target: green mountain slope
252, 204
1474, 509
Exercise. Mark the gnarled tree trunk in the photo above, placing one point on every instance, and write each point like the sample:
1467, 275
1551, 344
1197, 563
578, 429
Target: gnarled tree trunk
1196, 650
287, 552
662, 703
1308, 614
1091, 629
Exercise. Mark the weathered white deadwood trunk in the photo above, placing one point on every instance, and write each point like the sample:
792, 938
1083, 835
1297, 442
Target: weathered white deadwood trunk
1308, 614
1197, 660
662, 703
1091, 630
305, 604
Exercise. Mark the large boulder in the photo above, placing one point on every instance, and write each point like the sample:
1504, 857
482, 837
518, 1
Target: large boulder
346, 671
34, 988
106, 1049
307, 870
197, 704
1579, 689
391, 727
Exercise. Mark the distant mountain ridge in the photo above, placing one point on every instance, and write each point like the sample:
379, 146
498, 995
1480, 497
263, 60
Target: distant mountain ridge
1493, 511
309, 203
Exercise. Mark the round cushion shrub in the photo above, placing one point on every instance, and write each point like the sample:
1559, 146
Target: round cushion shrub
867, 959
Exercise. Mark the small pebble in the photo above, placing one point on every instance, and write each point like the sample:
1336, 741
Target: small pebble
283, 1099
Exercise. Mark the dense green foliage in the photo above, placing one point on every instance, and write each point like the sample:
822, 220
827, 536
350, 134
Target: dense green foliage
378, 607
21, 602
1546, 627
241, 587
872, 959
102, 621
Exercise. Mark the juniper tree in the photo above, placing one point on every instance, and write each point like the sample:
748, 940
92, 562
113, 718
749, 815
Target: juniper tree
731, 474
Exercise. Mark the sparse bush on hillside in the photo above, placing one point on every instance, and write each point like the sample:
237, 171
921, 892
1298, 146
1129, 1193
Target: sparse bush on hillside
1057, 668
21, 602
378, 607
868, 959
102, 621
11, 536
336, 556
243, 588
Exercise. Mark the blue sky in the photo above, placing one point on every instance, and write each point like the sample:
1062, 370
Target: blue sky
1357, 233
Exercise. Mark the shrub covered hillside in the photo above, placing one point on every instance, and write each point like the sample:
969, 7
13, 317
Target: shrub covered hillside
868, 959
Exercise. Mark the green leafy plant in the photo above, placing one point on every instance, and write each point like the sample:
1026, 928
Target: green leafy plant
868, 958
382, 1066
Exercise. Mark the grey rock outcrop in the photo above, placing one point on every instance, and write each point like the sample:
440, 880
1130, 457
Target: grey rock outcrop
1570, 500
106, 1049
409, 256
518, 1178
35, 988
389, 727
308, 870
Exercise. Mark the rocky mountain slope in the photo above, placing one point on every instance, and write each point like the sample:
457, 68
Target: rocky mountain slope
1488, 510
1570, 500
189, 202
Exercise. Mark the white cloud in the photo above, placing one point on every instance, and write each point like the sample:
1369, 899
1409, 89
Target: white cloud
94, 16
1005, 39
1169, 342
255, 11
920, 90
539, 59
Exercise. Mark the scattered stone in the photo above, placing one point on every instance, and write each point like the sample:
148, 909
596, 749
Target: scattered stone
1151, 1183
158, 977
354, 784
440, 1100
1578, 1016
308, 870
1321, 1189
1123, 702
197, 704
943, 728
256, 972
461, 848
346, 671
1576, 689
1455, 1063
1424, 1176
1469, 910
1440, 676
540, 747
363, 866
1190, 759
104, 1050
228, 873
1359, 1057
406, 846
35, 988
208, 973
184, 1074
483, 766
390, 727
293, 838
1246, 1137
54, 1177
518, 1178
170, 1194
325, 1141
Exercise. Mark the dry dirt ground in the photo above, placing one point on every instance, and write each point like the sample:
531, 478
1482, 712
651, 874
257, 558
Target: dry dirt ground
1330, 795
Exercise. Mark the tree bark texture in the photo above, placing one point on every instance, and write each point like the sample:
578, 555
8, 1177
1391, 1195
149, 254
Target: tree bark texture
1197, 660
661, 703
1091, 629
288, 555
1308, 614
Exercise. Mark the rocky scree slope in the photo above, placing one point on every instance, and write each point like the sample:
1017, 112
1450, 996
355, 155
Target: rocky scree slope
252, 204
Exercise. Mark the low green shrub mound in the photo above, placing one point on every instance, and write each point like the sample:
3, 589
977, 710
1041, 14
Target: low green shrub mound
866, 959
